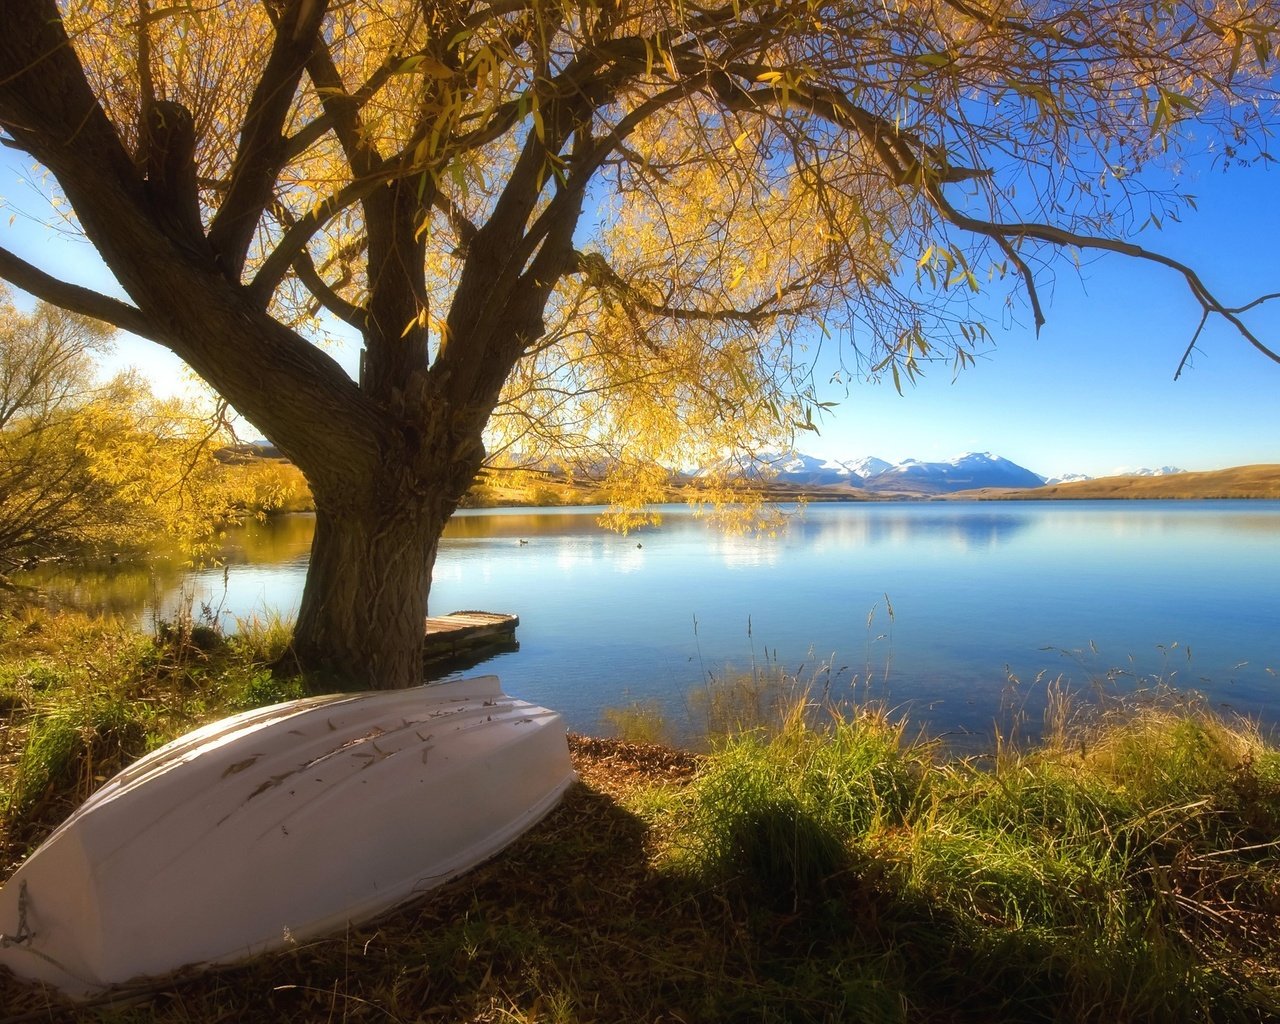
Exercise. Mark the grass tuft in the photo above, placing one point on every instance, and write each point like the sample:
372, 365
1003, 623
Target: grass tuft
84, 697
774, 814
263, 639
638, 722
72, 748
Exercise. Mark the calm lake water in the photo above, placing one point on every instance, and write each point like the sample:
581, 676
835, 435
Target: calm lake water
958, 614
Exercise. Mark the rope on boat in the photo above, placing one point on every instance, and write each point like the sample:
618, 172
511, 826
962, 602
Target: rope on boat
24, 932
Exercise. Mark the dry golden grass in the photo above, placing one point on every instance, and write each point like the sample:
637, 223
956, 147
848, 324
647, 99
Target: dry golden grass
1262, 481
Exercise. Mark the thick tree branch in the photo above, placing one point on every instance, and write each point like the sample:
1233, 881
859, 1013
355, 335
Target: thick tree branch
47, 106
522, 313
586, 163
346, 311
299, 234
74, 297
597, 271
170, 146
491, 267
324, 294
396, 336
461, 224
262, 149
1047, 31
343, 113
899, 151
587, 79
351, 105
146, 82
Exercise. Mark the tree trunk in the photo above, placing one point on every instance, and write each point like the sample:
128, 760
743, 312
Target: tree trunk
364, 604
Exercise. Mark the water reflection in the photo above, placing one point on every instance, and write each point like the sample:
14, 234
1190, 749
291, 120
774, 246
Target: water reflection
274, 541
838, 525
737, 551
1143, 518
981, 594
126, 590
522, 524
962, 527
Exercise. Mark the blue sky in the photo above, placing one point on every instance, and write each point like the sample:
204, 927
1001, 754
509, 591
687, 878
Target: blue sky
1094, 393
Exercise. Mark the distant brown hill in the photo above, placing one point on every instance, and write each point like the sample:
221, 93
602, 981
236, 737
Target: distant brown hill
1240, 482
495, 488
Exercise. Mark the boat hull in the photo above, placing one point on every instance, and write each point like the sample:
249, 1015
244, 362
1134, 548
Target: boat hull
278, 825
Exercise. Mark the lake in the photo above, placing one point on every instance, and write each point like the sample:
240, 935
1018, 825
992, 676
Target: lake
958, 614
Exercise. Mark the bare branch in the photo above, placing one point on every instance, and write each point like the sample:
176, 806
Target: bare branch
908, 160
1064, 238
1028, 278
1186, 355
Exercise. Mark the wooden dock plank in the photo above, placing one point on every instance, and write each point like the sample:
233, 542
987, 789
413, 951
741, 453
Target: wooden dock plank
464, 631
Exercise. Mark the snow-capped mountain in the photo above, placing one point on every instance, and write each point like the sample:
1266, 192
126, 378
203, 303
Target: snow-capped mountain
805, 468
867, 466
1162, 471
911, 477
965, 472
971, 470
788, 467
1068, 478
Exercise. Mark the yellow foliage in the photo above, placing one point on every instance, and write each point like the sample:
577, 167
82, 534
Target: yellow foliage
755, 174
108, 467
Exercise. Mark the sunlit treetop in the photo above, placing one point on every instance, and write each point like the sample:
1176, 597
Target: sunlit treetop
627, 213
614, 223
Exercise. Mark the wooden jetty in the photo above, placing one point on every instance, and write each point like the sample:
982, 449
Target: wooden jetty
468, 633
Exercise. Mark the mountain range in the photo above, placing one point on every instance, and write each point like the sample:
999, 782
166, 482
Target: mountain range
912, 476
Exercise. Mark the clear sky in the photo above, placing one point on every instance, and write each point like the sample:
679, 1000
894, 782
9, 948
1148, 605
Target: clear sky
1092, 394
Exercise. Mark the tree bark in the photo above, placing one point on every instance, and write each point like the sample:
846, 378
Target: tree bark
364, 604
378, 526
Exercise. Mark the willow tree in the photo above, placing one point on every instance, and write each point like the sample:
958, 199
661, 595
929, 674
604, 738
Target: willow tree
609, 219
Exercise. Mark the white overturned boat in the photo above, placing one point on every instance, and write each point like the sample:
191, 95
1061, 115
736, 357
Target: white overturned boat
280, 824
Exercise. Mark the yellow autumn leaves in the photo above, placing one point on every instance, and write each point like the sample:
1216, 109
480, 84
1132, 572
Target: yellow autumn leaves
92, 466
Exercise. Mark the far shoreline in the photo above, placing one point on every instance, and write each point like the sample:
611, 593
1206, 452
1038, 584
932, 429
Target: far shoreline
1240, 483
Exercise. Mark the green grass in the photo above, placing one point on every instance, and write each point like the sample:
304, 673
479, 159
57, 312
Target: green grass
639, 722
80, 698
1127, 871
825, 867
773, 815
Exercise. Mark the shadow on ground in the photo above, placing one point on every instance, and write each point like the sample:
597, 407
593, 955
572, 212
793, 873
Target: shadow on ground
574, 923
